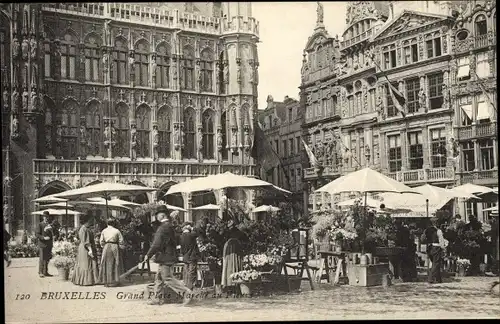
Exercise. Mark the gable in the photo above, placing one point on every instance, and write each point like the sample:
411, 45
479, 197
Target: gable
319, 37
406, 21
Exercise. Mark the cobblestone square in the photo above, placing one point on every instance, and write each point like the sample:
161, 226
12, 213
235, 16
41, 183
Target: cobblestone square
461, 298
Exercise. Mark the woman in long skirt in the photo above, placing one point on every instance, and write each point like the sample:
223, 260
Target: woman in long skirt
85, 271
111, 262
231, 255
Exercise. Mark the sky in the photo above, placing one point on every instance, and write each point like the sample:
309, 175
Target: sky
284, 29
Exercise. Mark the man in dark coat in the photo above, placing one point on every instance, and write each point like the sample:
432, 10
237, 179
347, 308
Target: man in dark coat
163, 249
44, 236
190, 255
435, 245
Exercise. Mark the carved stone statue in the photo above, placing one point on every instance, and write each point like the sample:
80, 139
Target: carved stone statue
15, 48
107, 134
59, 132
131, 62
15, 100
234, 138
84, 140
256, 75
250, 73
105, 61
153, 66
34, 100
34, 48
247, 142
199, 135
175, 72
15, 128
219, 140
25, 49
107, 32
422, 99
198, 77
133, 142
238, 73
25, 99
226, 72
48, 140
319, 13
156, 142
177, 137
5, 99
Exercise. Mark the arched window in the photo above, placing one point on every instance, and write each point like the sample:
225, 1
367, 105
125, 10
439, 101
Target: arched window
208, 134
141, 70
68, 57
92, 58
119, 71
164, 132
207, 70
188, 72
143, 116
122, 128
93, 124
163, 66
481, 25
68, 118
224, 135
189, 131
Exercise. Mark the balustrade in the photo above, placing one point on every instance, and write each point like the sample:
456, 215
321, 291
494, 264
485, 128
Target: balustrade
477, 130
480, 177
361, 37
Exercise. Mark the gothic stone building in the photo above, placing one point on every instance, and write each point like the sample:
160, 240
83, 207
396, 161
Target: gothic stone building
148, 93
475, 123
410, 43
282, 124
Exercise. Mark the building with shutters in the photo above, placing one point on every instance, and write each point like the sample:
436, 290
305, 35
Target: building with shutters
350, 119
144, 93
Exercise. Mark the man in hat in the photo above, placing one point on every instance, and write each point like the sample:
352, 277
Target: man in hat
190, 254
44, 236
435, 247
163, 249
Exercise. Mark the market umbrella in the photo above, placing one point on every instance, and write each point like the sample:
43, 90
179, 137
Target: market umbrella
116, 201
207, 207
364, 181
171, 207
104, 190
369, 201
492, 209
266, 208
49, 199
221, 181
57, 205
57, 212
110, 204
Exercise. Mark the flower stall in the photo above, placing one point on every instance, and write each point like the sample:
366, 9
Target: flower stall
64, 256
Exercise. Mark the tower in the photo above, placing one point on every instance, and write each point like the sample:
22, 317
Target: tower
240, 35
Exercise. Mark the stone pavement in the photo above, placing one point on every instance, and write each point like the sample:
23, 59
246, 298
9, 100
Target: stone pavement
464, 298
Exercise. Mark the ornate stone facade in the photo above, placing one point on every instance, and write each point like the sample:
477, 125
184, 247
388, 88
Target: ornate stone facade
126, 100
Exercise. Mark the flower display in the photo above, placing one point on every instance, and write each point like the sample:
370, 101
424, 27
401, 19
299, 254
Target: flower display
255, 261
64, 262
18, 250
464, 263
64, 248
246, 275
342, 234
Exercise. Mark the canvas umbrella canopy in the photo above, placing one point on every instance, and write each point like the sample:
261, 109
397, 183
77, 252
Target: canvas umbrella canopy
110, 204
57, 212
57, 205
116, 201
484, 193
49, 199
220, 181
104, 190
369, 201
172, 207
207, 207
266, 208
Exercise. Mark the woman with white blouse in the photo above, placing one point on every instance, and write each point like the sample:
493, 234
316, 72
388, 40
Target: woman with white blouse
111, 263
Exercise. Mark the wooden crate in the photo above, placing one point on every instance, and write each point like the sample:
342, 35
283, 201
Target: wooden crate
366, 275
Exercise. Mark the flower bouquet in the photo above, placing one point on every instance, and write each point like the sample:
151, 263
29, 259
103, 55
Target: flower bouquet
64, 248
261, 262
462, 267
245, 276
64, 264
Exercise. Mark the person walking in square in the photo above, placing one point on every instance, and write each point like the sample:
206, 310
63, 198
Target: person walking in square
190, 255
85, 272
45, 236
435, 247
112, 261
163, 250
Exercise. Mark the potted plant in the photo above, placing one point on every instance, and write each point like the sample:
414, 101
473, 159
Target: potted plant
63, 264
462, 267
247, 280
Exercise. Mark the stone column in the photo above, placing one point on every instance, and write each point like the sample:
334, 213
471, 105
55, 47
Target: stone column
426, 148
477, 157
495, 152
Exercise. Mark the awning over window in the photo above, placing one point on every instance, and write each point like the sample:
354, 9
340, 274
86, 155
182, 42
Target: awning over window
463, 71
482, 111
467, 111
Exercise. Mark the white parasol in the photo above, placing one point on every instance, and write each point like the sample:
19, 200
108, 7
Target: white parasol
57, 212
57, 205
116, 201
171, 207
49, 199
266, 208
220, 181
104, 190
207, 207
369, 201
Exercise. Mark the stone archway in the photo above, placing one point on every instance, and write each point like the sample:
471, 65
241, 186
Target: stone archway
139, 199
175, 200
52, 188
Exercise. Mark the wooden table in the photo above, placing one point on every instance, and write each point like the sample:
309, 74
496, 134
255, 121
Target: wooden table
329, 263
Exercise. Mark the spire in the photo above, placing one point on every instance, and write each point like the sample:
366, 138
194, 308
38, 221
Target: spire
319, 15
